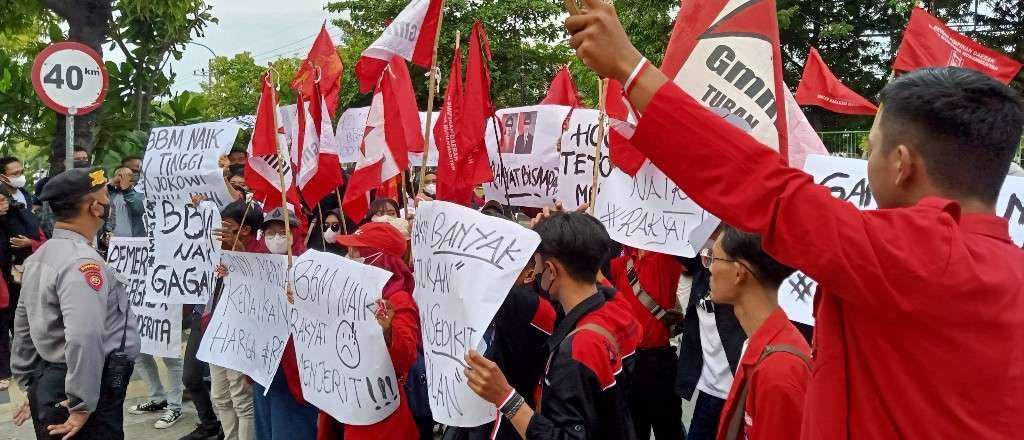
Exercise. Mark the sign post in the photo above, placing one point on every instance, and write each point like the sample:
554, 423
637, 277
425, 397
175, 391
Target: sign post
69, 78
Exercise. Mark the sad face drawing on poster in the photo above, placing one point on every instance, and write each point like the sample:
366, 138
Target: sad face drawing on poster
517, 133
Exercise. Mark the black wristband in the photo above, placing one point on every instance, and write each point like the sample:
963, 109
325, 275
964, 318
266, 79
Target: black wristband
510, 408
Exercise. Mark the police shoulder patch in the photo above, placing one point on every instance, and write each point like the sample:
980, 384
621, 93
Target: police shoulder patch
93, 275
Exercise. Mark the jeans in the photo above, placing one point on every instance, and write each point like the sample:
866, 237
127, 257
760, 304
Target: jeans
146, 366
279, 417
706, 412
232, 396
46, 393
193, 372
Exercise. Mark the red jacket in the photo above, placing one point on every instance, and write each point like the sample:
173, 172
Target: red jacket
775, 398
404, 348
659, 277
921, 310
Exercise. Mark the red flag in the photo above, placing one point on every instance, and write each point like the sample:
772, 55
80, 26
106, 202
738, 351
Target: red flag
820, 87
562, 90
266, 149
392, 125
477, 109
317, 151
411, 35
448, 135
928, 42
726, 55
322, 56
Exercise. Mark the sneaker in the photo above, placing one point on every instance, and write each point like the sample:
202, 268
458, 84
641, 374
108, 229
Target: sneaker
205, 431
147, 408
168, 420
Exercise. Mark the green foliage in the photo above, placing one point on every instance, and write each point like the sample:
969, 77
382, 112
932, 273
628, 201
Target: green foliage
236, 86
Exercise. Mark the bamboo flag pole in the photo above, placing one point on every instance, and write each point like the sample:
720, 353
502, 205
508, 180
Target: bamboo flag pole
341, 210
431, 85
281, 158
602, 89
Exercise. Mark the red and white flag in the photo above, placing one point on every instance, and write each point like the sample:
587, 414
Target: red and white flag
820, 87
268, 151
449, 137
411, 35
315, 152
928, 42
392, 127
562, 90
803, 140
477, 109
321, 69
726, 55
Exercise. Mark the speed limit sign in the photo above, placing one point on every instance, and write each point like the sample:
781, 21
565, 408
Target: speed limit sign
70, 78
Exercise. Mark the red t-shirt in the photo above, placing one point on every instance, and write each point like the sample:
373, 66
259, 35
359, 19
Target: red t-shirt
921, 309
659, 277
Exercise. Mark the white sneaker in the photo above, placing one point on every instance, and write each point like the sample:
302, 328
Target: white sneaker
168, 420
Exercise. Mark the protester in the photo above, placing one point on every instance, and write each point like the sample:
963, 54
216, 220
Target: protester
13, 181
81, 155
579, 394
127, 205
281, 412
515, 342
75, 337
238, 157
6, 308
888, 279
648, 280
767, 398
379, 209
381, 245
709, 353
133, 163
324, 237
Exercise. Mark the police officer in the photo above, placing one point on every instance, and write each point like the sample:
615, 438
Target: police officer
75, 338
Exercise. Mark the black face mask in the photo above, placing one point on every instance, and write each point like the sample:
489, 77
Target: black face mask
106, 211
539, 288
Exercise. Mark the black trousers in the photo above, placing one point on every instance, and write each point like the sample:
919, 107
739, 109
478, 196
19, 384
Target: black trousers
7, 329
653, 401
46, 392
192, 372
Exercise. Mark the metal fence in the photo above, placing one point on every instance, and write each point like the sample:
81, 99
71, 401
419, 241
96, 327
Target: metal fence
853, 144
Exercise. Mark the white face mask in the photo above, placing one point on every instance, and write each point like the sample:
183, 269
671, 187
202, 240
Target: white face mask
277, 244
366, 260
382, 218
17, 182
330, 235
430, 188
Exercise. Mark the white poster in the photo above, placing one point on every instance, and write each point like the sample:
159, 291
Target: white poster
185, 251
465, 264
159, 325
416, 159
351, 127
648, 212
577, 156
343, 360
848, 180
523, 156
249, 327
182, 161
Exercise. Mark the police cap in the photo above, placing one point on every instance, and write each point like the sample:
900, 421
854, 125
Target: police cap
73, 183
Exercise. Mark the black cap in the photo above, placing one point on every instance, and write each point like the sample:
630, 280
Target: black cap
73, 183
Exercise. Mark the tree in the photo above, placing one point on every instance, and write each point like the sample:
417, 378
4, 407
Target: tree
1005, 31
236, 87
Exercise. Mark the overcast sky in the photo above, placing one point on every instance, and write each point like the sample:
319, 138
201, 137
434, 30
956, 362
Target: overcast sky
266, 28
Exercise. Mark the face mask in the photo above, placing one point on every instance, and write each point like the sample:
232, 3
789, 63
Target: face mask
17, 182
382, 218
430, 189
106, 212
277, 244
360, 260
368, 259
330, 235
538, 285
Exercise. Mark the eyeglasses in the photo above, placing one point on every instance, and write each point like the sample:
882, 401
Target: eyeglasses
706, 259
333, 226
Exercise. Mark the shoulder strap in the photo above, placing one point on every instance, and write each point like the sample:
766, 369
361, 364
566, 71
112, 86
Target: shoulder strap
599, 330
645, 298
735, 425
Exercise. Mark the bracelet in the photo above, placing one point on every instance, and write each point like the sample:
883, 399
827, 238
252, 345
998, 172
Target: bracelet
642, 66
512, 405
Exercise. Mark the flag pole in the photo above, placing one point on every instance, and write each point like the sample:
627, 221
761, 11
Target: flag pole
238, 233
341, 210
281, 158
602, 89
431, 85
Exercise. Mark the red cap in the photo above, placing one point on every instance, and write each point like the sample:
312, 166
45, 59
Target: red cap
376, 235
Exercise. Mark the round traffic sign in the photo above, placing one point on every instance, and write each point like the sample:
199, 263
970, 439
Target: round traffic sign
70, 78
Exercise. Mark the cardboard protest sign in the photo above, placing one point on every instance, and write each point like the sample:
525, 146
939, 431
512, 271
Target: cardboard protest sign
648, 212
576, 159
343, 360
249, 328
465, 264
182, 161
184, 251
848, 180
523, 155
159, 324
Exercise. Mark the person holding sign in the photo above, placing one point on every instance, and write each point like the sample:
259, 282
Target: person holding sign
919, 314
580, 395
75, 336
767, 396
380, 245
